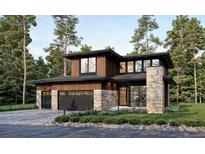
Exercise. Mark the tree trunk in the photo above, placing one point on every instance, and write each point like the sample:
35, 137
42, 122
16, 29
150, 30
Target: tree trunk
65, 51
177, 88
200, 94
24, 59
147, 41
195, 86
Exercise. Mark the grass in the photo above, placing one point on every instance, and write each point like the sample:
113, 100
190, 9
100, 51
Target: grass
186, 114
15, 107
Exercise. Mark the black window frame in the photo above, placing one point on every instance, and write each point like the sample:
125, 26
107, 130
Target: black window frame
87, 73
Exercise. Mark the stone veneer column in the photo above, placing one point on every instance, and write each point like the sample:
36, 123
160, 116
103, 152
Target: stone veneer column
54, 100
105, 99
38, 98
155, 90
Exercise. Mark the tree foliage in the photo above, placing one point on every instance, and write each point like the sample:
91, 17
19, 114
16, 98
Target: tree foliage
143, 39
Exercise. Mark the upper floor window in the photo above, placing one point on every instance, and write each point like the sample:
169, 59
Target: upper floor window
155, 62
88, 65
138, 66
130, 66
122, 67
147, 63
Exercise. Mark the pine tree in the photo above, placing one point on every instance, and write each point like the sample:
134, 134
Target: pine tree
143, 39
66, 34
109, 47
85, 48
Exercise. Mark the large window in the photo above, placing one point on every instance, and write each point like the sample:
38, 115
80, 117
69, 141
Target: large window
138, 96
147, 63
138, 66
122, 67
88, 65
130, 66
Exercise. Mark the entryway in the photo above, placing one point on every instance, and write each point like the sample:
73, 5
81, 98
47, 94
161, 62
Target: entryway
46, 100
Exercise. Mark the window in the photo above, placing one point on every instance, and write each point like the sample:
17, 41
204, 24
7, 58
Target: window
138, 66
138, 96
155, 62
92, 64
146, 64
122, 67
130, 66
88, 65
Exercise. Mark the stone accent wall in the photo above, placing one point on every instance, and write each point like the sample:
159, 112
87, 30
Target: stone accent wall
155, 90
38, 98
105, 99
54, 100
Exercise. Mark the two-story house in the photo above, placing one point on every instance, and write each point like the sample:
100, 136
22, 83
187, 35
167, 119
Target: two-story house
103, 80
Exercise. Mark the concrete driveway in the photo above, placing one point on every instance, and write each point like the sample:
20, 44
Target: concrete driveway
28, 117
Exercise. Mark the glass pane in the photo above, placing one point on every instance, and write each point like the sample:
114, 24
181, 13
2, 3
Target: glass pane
155, 62
146, 64
122, 67
92, 64
130, 66
84, 65
138, 66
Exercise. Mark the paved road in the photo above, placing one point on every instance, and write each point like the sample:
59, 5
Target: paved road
29, 124
31, 131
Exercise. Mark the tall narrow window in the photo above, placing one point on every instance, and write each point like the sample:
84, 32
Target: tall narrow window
147, 63
122, 67
130, 66
138, 66
84, 65
92, 64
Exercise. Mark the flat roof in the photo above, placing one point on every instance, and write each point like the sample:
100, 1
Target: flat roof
109, 52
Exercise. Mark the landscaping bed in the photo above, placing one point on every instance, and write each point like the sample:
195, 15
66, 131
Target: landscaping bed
15, 107
184, 114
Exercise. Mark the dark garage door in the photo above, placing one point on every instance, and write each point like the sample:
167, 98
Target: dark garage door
75, 100
46, 100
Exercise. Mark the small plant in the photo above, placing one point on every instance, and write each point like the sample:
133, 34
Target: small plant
85, 119
173, 107
174, 123
121, 121
74, 119
146, 122
63, 118
192, 123
109, 120
98, 119
134, 121
160, 122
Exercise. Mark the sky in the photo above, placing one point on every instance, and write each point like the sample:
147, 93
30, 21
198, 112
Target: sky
98, 32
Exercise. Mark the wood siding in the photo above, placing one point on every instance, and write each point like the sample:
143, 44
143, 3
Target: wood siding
75, 64
70, 86
123, 96
112, 68
109, 86
101, 65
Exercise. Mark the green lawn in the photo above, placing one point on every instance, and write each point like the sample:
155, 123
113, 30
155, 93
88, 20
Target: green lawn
195, 112
16, 107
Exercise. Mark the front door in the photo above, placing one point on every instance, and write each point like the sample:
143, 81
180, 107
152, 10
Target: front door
123, 96
46, 100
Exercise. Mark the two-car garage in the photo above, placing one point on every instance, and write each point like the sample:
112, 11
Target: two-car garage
72, 100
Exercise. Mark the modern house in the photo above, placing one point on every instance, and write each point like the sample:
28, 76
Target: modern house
103, 80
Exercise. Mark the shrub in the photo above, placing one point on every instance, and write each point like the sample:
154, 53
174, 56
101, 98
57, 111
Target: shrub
191, 123
134, 121
109, 120
97, 119
173, 107
121, 121
160, 122
85, 119
174, 123
147, 122
74, 119
63, 118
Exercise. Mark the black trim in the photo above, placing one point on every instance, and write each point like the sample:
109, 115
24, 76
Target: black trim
88, 73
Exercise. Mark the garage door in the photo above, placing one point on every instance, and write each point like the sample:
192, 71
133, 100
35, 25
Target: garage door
75, 100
